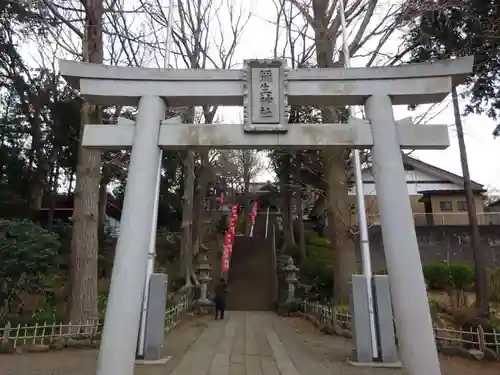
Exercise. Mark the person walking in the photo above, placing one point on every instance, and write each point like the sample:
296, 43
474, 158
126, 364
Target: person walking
220, 298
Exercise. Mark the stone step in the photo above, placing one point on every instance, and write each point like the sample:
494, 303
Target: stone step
250, 278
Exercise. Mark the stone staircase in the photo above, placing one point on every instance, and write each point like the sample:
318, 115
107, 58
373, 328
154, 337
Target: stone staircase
251, 275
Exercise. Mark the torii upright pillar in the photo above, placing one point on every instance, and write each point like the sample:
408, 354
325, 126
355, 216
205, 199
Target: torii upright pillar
406, 280
119, 336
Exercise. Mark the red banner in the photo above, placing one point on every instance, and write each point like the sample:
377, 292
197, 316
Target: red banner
255, 205
229, 238
232, 224
225, 262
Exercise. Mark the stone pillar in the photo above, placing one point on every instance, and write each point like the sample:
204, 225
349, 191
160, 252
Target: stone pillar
409, 296
119, 338
291, 279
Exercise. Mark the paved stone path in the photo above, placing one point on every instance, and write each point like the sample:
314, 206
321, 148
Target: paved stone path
256, 343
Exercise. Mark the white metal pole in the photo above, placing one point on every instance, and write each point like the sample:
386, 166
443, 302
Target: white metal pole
360, 200
152, 243
168, 39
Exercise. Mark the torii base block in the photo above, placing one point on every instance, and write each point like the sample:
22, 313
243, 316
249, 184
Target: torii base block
362, 353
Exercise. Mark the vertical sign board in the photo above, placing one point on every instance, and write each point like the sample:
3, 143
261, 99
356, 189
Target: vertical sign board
265, 100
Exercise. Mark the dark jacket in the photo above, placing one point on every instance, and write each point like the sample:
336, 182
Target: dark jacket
220, 291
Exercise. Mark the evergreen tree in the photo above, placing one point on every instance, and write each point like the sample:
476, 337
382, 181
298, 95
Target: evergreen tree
468, 27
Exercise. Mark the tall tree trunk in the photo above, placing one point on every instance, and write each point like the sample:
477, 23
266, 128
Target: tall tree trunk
37, 160
334, 164
338, 231
52, 196
103, 202
300, 224
481, 280
187, 217
84, 242
286, 195
199, 202
187, 209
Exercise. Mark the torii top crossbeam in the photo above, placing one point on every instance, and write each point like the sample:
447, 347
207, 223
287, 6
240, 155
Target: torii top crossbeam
406, 84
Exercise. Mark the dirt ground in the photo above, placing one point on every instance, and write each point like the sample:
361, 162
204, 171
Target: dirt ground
83, 361
337, 349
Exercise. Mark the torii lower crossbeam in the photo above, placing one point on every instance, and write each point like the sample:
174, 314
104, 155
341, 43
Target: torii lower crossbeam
355, 134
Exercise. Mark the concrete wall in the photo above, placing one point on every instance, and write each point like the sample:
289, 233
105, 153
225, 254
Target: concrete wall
443, 243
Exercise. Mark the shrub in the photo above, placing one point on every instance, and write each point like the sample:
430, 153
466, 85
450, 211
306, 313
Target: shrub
494, 284
313, 239
437, 275
318, 268
461, 276
28, 256
441, 276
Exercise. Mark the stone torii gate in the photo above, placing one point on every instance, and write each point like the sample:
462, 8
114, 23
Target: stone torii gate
265, 88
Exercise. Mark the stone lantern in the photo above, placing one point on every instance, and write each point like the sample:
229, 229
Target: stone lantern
291, 278
204, 277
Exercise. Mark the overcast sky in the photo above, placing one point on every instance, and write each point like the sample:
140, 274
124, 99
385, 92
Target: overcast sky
258, 42
482, 150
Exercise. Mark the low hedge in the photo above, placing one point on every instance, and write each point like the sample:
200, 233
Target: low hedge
441, 276
459, 276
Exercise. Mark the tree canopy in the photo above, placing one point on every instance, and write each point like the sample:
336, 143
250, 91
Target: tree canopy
466, 27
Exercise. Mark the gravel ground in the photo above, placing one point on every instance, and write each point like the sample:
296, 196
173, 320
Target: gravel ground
337, 349
83, 361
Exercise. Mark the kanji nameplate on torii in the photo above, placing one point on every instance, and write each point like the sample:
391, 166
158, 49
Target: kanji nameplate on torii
265, 99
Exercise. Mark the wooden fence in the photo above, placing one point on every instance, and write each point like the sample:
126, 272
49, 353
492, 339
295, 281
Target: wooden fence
473, 339
42, 334
175, 314
47, 333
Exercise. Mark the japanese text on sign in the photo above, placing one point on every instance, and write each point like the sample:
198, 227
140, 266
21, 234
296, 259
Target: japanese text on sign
265, 104
266, 96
